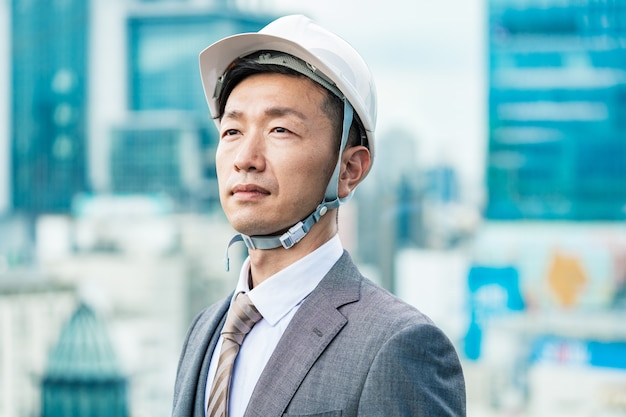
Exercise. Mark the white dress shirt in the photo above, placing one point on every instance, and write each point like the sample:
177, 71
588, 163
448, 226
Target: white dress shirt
277, 299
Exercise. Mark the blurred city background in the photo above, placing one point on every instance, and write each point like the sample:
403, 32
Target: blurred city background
497, 203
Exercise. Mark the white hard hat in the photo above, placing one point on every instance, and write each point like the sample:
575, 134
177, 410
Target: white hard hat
298, 36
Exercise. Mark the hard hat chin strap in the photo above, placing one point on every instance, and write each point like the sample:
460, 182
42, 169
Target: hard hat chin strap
300, 229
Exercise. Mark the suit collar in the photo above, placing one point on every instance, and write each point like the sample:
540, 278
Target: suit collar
315, 325
277, 295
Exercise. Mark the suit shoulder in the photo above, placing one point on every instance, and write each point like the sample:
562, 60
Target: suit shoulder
367, 297
384, 300
378, 308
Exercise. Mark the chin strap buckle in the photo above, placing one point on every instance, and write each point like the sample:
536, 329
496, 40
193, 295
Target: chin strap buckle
288, 239
293, 236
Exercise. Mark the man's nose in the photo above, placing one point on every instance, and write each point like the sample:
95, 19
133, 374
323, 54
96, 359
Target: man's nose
251, 153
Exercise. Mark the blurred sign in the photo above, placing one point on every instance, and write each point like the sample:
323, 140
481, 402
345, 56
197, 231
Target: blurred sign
493, 292
570, 351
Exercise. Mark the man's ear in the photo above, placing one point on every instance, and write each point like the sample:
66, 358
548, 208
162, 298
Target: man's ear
355, 163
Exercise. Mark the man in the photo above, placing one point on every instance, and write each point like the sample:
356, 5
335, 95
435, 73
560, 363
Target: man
295, 107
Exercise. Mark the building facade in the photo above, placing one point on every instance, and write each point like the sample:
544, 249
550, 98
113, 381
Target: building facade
83, 376
52, 63
49, 77
165, 94
557, 110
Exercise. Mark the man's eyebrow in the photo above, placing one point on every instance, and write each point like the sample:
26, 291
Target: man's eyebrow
232, 114
283, 111
272, 112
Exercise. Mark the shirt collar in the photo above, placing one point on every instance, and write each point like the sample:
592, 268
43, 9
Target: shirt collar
280, 293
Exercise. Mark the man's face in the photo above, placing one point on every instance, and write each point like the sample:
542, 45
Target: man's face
275, 154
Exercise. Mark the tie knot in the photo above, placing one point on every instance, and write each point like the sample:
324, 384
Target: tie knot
242, 316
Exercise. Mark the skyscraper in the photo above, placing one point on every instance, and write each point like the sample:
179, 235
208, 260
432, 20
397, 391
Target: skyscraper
557, 109
49, 103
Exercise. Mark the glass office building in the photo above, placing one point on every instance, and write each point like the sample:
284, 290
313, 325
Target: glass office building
172, 152
49, 103
163, 54
557, 109
50, 98
157, 154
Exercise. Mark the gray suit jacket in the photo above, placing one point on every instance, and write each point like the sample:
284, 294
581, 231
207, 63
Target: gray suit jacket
352, 349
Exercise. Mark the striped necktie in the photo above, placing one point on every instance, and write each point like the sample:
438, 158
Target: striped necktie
241, 317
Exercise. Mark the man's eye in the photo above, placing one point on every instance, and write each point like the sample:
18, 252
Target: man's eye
281, 130
230, 132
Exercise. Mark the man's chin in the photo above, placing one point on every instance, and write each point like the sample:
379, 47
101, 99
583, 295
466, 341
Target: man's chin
250, 225
255, 230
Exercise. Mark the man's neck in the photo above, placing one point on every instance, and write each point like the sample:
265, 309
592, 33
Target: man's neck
265, 263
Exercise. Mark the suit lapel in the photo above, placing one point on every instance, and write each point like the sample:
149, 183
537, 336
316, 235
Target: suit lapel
313, 327
198, 352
